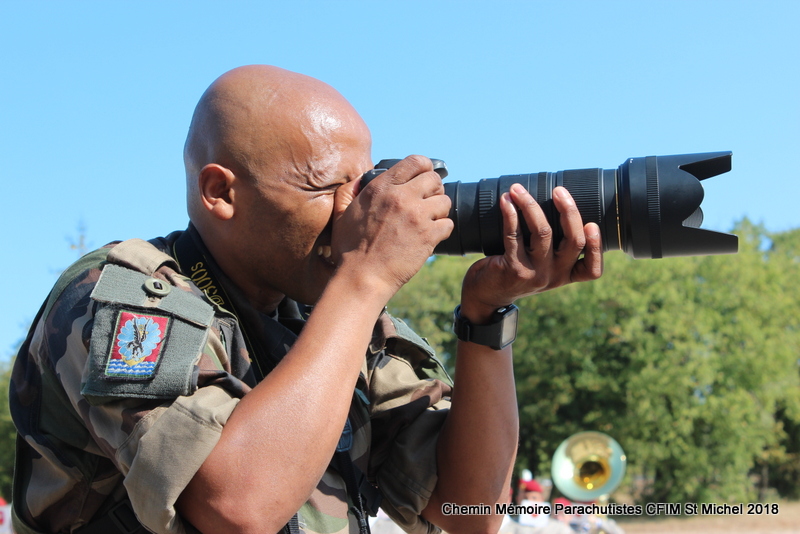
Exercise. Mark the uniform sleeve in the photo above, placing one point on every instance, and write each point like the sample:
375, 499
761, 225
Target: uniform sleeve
165, 451
407, 415
151, 385
159, 445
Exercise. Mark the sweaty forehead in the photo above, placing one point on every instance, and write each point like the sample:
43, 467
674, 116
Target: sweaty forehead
265, 115
321, 119
256, 115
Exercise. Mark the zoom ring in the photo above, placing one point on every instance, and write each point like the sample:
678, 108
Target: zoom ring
489, 218
584, 186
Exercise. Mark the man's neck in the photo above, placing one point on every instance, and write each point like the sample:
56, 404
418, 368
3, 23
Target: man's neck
262, 298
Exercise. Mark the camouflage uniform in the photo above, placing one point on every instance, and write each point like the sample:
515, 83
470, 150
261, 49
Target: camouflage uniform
135, 364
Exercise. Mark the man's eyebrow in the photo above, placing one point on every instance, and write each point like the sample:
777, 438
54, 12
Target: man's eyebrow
317, 180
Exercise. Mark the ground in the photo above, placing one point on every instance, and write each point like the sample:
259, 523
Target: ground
787, 521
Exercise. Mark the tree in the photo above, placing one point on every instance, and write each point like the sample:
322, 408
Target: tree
8, 434
690, 363
779, 465
428, 300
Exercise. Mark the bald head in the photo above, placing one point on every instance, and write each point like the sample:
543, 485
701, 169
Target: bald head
254, 116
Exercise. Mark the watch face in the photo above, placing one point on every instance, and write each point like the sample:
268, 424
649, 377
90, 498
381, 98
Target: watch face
509, 332
501, 332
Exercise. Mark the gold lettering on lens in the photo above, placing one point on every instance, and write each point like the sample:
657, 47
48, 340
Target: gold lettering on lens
204, 282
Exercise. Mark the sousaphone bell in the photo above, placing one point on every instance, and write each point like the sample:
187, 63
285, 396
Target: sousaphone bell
588, 466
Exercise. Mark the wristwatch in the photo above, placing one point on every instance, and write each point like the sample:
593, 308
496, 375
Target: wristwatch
499, 333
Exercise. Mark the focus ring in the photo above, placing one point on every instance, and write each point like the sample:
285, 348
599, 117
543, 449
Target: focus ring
653, 205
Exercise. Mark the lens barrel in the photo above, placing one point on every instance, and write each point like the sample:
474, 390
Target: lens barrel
478, 221
648, 207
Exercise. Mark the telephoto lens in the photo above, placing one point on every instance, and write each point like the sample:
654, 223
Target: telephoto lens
647, 207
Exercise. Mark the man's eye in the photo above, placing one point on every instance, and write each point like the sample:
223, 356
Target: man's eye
332, 187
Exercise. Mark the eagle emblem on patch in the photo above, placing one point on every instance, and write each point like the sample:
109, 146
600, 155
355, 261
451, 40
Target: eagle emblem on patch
137, 345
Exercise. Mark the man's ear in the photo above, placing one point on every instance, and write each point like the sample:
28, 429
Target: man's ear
215, 184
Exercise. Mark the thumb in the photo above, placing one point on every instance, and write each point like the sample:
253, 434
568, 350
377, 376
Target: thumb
344, 195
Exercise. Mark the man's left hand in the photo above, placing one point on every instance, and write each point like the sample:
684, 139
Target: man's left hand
528, 268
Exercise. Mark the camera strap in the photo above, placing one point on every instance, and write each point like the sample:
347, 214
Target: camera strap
119, 519
366, 497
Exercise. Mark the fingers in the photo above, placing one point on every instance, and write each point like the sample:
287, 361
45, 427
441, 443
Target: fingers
433, 184
438, 206
425, 186
590, 267
443, 228
570, 218
344, 196
512, 231
564, 265
408, 169
410, 193
413, 170
528, 270
540, 246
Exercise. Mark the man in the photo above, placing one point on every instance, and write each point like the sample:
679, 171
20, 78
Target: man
179, 379
532, 497
535, 522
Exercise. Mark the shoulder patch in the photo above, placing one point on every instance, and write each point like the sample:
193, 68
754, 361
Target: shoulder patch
144, 344
136, 346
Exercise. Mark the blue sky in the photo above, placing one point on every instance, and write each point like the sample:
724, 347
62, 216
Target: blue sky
96, 98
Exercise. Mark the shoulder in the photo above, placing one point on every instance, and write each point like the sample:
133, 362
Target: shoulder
394, 338
128, 322
79, 279
150, 327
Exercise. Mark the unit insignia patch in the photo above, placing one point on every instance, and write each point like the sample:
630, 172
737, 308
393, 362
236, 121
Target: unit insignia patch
137, 346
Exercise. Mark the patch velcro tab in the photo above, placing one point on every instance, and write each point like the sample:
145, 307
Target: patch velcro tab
144, 345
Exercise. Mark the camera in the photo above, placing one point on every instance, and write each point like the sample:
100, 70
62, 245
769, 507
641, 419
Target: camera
648, 207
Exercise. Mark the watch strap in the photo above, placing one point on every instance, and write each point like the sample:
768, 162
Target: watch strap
497, 334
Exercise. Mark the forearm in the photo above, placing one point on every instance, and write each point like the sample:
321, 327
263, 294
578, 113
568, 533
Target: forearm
478, 443
279, 440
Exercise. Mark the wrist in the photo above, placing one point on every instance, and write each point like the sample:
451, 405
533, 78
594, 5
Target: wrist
497, 333
361, 285
478, 312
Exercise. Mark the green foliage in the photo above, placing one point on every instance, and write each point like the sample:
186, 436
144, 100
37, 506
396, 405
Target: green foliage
8, 434
426, 303
690, 363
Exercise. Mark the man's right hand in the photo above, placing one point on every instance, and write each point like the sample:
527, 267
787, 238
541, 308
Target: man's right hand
387, 231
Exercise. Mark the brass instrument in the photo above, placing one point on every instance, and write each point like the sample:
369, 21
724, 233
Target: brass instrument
588, 466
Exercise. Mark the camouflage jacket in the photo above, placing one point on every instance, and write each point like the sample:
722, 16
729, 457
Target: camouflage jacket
135, 364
